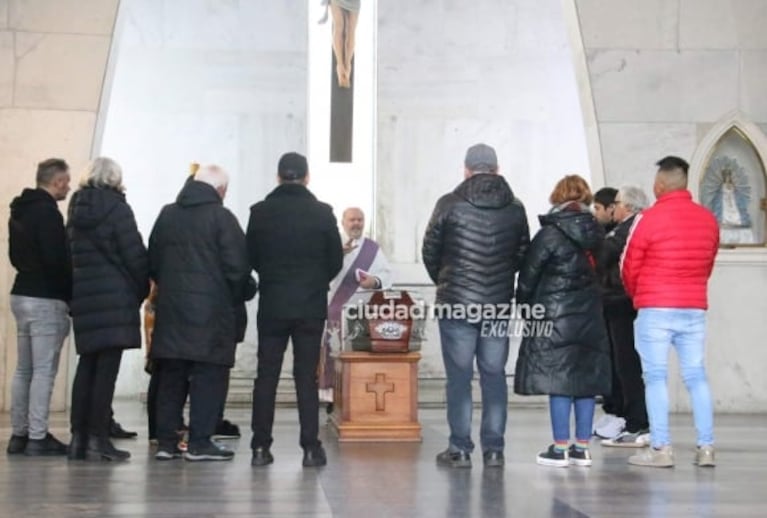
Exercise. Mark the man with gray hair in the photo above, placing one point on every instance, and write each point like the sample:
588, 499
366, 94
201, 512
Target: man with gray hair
198, 258
619, 317
37, 247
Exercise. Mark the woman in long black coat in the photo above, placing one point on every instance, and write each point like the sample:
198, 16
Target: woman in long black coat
565, 356
110, 281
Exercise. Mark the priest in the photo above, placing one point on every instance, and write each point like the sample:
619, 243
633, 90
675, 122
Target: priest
365, 268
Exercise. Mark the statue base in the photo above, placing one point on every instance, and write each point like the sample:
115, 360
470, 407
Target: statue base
376, 397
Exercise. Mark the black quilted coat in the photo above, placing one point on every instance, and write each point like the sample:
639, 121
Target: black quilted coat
198, 257
475, 242
558, 273
110, 271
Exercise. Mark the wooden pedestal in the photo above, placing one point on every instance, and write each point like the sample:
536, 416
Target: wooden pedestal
376, 397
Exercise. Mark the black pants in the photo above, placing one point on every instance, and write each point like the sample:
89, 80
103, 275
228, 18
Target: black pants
627, 366
206, 384
273, 335
151, 404
92, 392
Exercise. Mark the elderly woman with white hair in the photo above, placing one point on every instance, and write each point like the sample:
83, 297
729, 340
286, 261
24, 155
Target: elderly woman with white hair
110, 281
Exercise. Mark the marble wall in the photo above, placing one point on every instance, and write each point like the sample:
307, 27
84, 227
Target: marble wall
663, 75
193, 81
53, 56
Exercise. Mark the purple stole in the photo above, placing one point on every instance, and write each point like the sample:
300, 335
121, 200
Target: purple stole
345, 291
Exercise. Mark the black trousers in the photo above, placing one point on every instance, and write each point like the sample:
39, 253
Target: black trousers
206, 384
627, 366
92, 392
273, 335
151, 404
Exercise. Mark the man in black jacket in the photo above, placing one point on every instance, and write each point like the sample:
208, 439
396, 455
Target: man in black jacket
474, 244
295, 247
198, 258
619, 318
37, 247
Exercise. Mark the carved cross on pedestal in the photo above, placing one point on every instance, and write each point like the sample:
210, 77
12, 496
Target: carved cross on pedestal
380, 388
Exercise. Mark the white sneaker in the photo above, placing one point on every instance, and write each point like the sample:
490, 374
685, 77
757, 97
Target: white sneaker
609, 427
627, 439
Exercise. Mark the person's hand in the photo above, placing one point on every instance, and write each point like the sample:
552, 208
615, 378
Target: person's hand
369, 282
348, 247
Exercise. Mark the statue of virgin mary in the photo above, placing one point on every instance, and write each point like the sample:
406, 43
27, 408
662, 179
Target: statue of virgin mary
726, 192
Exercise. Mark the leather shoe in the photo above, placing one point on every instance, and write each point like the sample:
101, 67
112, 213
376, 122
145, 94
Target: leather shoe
261, 457
314, 457
17, 444
101, 448
78, 446
116, 431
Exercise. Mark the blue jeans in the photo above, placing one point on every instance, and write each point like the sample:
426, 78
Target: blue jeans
559, 409
655, 330
461, 342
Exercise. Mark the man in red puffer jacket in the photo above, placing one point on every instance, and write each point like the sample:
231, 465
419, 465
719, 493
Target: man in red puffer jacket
665, 269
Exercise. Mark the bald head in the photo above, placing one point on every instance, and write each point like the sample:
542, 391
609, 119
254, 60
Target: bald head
671, 176
353, 221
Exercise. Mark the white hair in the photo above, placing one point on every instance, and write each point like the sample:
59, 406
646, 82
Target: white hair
633, 198
104, 172
212, 175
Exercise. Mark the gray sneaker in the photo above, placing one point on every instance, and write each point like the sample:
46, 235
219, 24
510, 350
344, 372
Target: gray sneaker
654, 458
704, 456
628, 439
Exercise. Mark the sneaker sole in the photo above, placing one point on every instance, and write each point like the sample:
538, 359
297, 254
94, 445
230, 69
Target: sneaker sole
194, 457
167, 456
494, 464
224, 436
650, 465
582, 463
553, 463
611, 444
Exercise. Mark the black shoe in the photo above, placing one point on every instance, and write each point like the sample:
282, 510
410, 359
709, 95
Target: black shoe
210, 451
554, 457
579, 457
116, 431
454, 459
493, 459
261, 457
46, 447
329, 408
314, 457
226, 430
101, 448
78, 446
17, 444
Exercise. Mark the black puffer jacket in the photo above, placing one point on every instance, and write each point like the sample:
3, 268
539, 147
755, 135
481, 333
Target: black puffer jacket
475, 242
110, 271
198, 258
573, 360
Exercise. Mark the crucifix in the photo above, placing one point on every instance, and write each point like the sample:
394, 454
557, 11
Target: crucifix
380, 388
345, 15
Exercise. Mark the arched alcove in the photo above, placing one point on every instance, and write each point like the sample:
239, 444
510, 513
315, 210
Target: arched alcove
728, 177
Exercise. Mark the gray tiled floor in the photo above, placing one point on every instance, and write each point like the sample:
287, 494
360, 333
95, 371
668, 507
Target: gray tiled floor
389, 480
